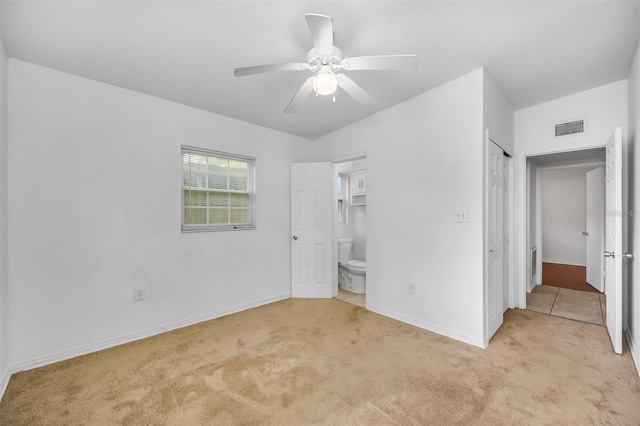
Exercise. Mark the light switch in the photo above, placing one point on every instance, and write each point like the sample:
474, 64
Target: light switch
461, 215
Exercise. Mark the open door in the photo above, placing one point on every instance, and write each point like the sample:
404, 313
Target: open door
311, 230
494, 237
595, 228
505, 237
613, 239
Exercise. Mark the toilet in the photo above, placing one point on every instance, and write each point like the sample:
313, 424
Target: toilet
351, 272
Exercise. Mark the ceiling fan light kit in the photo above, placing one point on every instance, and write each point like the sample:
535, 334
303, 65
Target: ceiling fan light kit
325, 60
325, 82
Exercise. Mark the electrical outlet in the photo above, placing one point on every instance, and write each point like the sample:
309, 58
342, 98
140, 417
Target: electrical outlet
139, 294
411, 289
461, 215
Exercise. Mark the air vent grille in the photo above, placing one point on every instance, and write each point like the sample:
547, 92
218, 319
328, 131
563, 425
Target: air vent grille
570, 128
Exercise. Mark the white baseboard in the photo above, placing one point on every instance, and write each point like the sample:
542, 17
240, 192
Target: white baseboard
127, 338
4, 381
634, 349
464, 338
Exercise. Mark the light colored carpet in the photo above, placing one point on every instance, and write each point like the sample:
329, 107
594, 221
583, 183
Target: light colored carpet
299, 362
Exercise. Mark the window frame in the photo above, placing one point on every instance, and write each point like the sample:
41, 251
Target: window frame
251, 191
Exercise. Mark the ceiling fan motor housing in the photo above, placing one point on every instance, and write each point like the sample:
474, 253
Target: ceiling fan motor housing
317, 61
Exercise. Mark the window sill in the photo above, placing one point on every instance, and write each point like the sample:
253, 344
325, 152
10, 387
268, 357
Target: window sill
191, 229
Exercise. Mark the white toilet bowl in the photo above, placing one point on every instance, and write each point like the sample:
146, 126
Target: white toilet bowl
353, 277
352, 272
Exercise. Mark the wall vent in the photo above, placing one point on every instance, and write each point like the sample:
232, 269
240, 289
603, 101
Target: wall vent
570, 128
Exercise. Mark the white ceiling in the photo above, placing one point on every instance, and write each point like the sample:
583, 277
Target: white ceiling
186, 51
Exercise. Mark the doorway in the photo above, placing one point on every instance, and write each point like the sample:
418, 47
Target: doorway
350, 238
566, 273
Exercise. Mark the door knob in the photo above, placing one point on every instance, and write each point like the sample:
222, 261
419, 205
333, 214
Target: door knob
609, 254
629, 256
295, 237
585, 233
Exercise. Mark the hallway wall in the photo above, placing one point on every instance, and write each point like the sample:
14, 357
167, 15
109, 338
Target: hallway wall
631, 314
4, 217
563, 210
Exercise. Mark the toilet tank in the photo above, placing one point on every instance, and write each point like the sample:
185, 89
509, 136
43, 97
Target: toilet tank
344, 249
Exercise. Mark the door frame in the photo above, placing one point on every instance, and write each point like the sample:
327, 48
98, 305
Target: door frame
538, 236
519, 285
334, 220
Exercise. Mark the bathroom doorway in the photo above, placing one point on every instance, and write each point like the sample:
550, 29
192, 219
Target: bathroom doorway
350, 238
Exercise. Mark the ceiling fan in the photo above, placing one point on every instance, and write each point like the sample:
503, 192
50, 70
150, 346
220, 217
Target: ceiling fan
325, 61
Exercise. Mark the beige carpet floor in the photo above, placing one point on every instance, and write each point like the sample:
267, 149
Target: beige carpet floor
299, 362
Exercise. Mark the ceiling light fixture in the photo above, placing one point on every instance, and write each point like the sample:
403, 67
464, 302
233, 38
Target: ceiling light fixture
325, 82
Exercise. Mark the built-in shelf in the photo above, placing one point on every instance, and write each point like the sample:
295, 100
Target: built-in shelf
358, 187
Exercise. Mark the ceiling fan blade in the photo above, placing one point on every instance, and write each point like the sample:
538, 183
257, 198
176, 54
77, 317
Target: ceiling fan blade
303, 93
381, 62
258, 69
321, 28
355, 91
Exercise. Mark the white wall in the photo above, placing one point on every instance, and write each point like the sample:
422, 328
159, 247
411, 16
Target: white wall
498, 115
94, 195
563, 194
4, 192
605, 108
424, 159
358, 224
633, 290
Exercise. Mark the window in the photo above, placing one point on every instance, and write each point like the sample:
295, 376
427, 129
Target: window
343, 184
217, 190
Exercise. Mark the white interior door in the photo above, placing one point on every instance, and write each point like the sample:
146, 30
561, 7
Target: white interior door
505, 233
613, 239
595, 228
494, 265
311, 230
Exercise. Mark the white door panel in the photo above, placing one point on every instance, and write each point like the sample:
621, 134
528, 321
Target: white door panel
505, 238
495, 233
311, 230
613, 239
595, 228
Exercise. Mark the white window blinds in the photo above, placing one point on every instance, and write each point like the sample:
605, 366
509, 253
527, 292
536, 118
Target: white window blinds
217, 190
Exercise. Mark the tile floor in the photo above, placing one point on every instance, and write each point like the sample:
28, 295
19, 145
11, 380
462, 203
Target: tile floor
353, 298
566, 303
